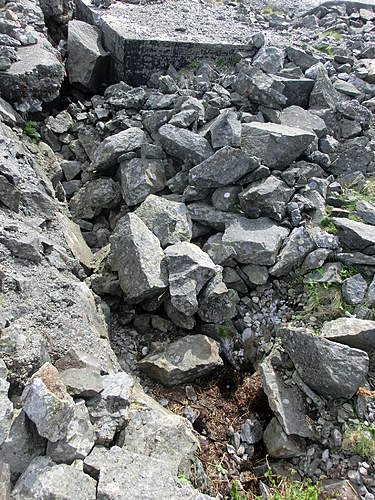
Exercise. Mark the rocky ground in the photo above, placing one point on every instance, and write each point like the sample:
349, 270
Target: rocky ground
187, 267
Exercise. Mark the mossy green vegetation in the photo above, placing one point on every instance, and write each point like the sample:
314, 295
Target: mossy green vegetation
360, 440
328, 224
31, 131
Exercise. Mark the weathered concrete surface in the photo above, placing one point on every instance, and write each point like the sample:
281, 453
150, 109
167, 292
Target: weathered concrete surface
137, 53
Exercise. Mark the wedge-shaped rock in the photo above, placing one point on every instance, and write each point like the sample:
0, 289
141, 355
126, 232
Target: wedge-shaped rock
110, 150
87, 60
93, 197
225, 167
356, 235
217, 304
183, 360
277, 146
47, 403
139, 259
324, 94
357, 333
331, 370
295, 115
297, 247
82, 382
225, 130
44, 479
279, 444
255, 241
189, 270
168, 220
6, 410
184, 144
79, 440
141, 177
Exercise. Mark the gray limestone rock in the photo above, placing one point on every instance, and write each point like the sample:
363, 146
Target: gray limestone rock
5, 483
141, 177
225, 130
255, 241
275, 145
183, 360
261, 88
138, 258
168, 220
297, 116
356, 235
217, 304
301, 58
226, 198
315, 259
279, 444
366, 211
207, 215
93, 197
87, 60
47, 403
6, 411
357, 333
82, 382
60, 123
269, 59
219, 252
223, 168
331, 370
297, 247
354, 289
324, 94
189, 270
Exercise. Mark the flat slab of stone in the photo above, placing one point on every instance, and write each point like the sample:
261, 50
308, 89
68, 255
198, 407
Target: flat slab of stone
143, 39
357, 333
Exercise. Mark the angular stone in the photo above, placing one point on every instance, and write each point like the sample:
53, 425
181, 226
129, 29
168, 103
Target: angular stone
9, 115
183, 360
324, 94
252, 430
207, 215
6, 411
141, 177
225, 167
298, 245
315, 259
356, 235
269, 59
266, 198
226, 198
217, 304
60, 123
138, 258
301, 58
331, 370
110, 150
95, 460
295, 115
255, 241
79, 439
109, 410
353, 332
261, 88
75, 358
279, 444
366, 211
47, 403
184, 144
275, 145
5, 484
93, 197
44, 479
189, 270
354, 289
168, 220
219, 252
82, 382
296, 90
10, 195
225, 130
87, 60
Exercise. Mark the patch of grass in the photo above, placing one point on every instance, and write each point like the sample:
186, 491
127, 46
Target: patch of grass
183, 479
236, 492
193, 66
31, 131
324, 301
329, 225
348, 272
333, 34
327, 49
269, 11
290, 489
360, 440
354, 217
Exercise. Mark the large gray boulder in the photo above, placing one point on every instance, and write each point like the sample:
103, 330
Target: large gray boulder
87, 63
276, 145
138, 258
295, 115
141, 177
183, 360
357, 333
47, 403
331, 370
354, 289
356, 235
255, 241
184, 144
225, 130
168, 220
43, 479
324, 94
297, 247
95, 196
189, 270
223, 168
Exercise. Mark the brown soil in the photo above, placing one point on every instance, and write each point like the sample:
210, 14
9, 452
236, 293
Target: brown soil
226, 398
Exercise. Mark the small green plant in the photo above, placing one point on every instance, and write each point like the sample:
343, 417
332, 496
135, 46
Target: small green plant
221, 470
31, 131
354, 217
193, 66
348, 272
360, 440
329, 225
269, 11
333, 34
236, 492
324, 301
326, 49
183, 479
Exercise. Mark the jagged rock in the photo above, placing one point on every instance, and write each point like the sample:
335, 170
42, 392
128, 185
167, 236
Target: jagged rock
298, 246
108, 411
324, 94
93, 197
87, 60
219, 252
47, 403
44, 479
269, 59
22, 444
295, 115
141, 177
275, 145
261, 88
356, 235
184, 144
226, 198
301, 58
225, 167
217, 304
110, 150
225, 130
366, 211
138, 258
10, 195
354, 289
331, 370
168, 220
82, 382
95, 460
296, 90
286, 401
255, 241
6, 410
75, 358
189, 270
60, 123
79, 439
357, 333
267, 198
315, 259
279, 444
207, 215
183, 360
252, 430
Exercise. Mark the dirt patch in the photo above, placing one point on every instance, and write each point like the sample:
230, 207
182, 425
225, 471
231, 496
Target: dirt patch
223, 400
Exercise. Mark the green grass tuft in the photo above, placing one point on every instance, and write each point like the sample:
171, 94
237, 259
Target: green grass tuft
31, 131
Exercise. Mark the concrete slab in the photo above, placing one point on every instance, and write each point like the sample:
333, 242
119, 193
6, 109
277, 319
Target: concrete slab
143, 39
